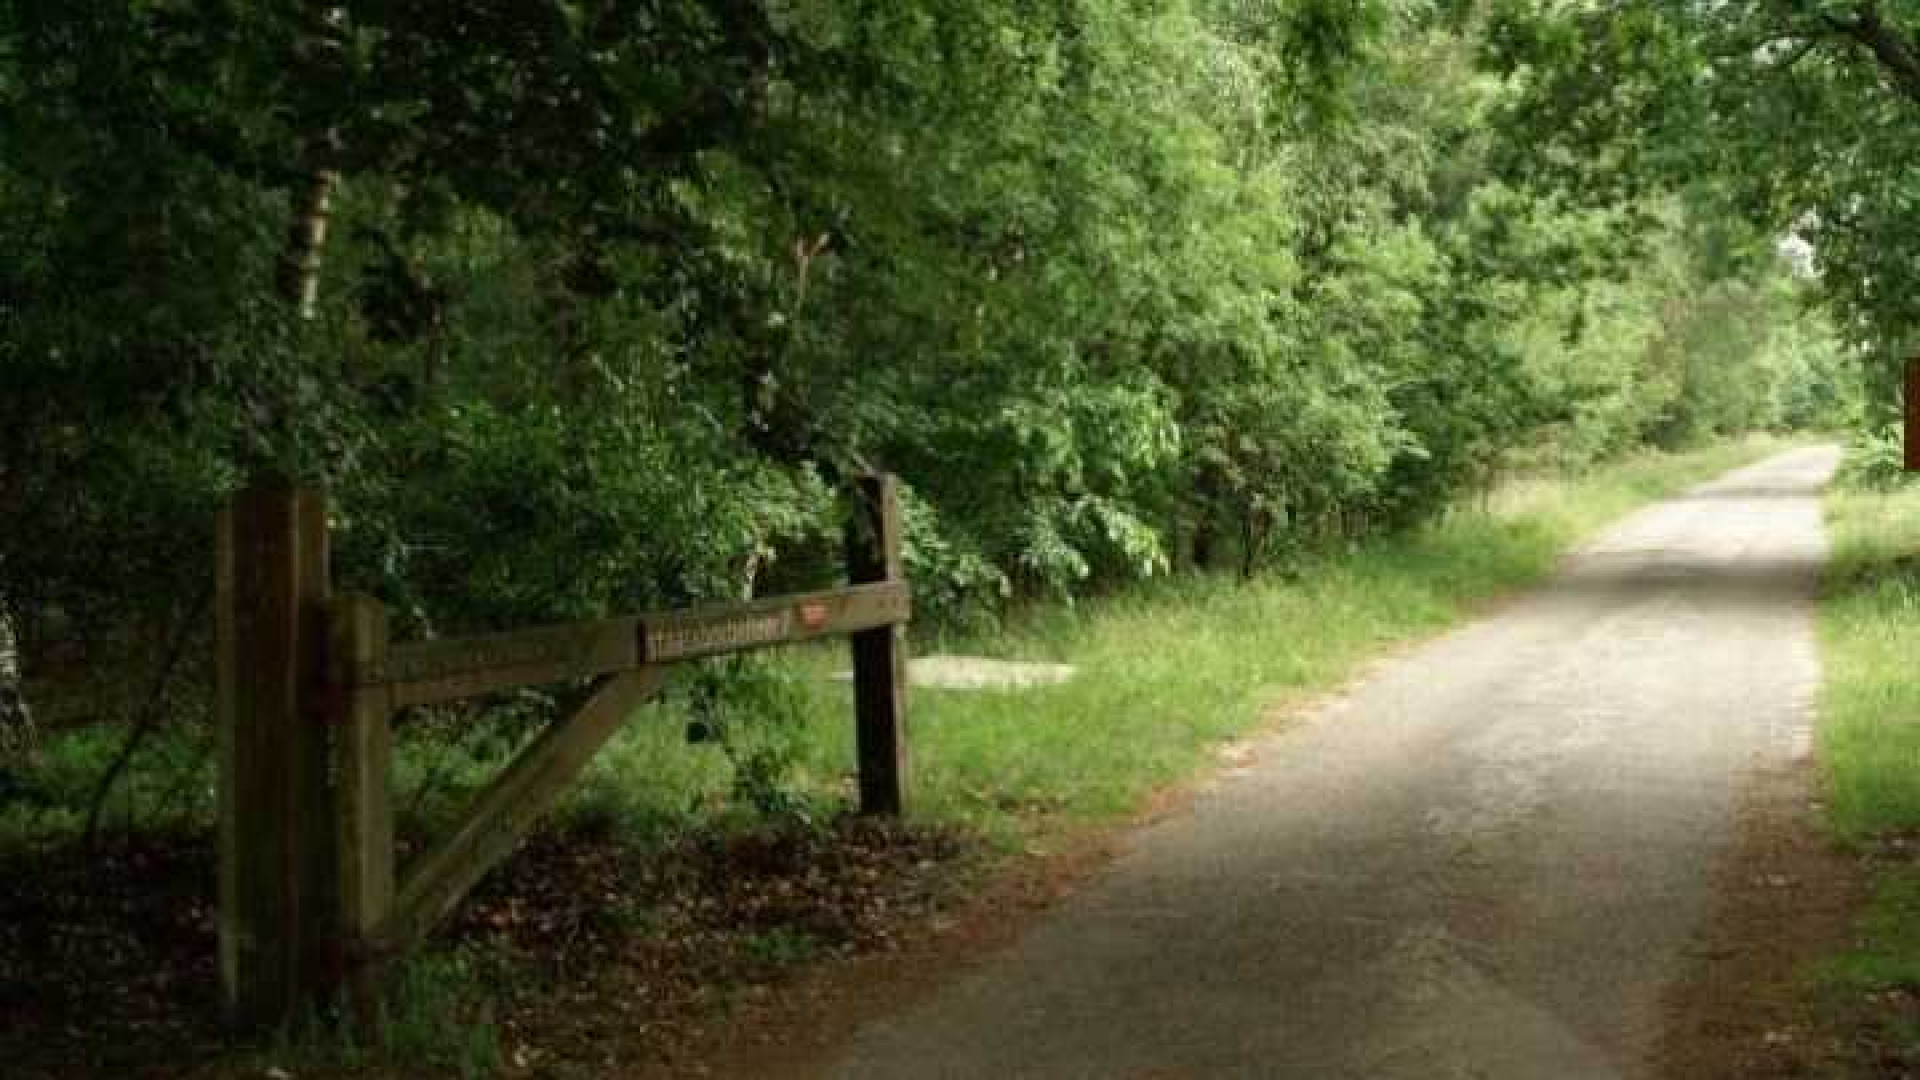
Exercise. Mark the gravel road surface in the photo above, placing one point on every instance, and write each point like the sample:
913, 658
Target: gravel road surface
1484, 861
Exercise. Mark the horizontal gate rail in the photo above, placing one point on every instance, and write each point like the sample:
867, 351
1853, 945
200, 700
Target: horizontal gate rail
310, 899
448, 669
670, 637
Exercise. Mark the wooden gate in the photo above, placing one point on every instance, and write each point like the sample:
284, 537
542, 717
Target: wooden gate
311, 899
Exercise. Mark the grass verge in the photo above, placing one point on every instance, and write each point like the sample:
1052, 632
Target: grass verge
1166, 672
1870, 631
1870, 748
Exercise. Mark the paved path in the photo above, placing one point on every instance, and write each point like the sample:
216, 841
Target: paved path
1484, 862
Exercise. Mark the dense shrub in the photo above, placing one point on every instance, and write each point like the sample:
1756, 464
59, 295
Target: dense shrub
617, 296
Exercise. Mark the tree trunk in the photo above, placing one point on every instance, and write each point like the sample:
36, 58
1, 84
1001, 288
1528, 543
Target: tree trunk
19, 738
1208, 489
299, 272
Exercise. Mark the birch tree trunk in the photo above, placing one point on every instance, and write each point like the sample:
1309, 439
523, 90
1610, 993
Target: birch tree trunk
299, 277
19, 738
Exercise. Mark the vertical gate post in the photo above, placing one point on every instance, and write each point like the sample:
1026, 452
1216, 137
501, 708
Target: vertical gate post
363, 765
1910, 407
275, 832
879, 655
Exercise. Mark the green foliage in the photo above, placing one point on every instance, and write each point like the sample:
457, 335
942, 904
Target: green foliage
1868, 738
782, 948
1168, 668
168, 785
1876, 461
756, 713
617, 297
1883, 957
1800, 118
435, 1014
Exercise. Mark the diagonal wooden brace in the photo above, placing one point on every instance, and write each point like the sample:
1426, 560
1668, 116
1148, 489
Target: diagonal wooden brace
502, 816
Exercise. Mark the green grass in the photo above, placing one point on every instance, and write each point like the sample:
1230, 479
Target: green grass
435, 1016
1870, 745
1870, 634
1167, 672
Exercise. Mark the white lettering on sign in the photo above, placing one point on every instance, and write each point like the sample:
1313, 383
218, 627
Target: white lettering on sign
720, 634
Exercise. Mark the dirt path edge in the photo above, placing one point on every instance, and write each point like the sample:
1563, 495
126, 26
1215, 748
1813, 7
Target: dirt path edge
1749, 1003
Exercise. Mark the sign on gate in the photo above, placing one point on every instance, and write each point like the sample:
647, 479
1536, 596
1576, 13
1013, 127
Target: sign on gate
311, 899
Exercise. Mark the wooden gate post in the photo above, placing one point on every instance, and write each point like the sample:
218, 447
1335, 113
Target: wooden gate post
276, 833
363, 792
1910, 408
880, 654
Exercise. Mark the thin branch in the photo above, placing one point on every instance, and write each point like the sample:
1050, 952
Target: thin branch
151, 710
1897, 55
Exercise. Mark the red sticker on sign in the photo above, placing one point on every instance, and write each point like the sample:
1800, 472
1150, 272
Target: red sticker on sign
813, 616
